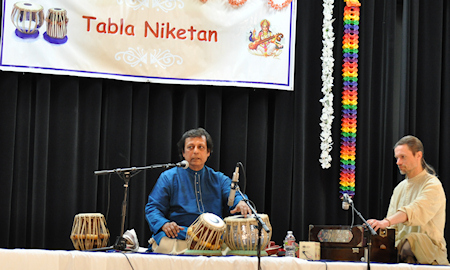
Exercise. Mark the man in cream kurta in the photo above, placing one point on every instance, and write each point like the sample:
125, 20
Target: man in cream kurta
417, 208
422, 198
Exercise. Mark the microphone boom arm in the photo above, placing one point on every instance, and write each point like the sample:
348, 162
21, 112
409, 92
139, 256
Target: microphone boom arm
372, 231
137, 169
263, 224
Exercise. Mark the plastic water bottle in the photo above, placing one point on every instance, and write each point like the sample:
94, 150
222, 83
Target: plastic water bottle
289, 244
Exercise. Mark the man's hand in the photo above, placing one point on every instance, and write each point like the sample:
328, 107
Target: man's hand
171, 229
378, 224
243, 208
398, 217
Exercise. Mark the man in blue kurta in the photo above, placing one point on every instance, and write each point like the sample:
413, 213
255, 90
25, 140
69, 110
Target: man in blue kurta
181, 195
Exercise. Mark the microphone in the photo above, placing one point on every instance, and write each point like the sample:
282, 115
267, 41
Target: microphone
184, 164
234, 182
346, 201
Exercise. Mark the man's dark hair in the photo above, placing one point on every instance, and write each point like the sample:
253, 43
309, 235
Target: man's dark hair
415, 145
194, 133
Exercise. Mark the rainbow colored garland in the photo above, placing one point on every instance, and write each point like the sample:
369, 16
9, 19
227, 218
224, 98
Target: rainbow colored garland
349, 97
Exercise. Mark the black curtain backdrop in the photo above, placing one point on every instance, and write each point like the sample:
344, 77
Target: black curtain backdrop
57, 130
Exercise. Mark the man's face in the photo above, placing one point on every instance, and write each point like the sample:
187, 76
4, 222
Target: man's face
408, 163
196, 152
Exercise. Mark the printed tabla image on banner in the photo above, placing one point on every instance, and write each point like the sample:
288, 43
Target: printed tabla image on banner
163, 41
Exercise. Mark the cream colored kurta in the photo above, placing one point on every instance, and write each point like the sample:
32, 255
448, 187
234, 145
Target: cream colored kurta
423, 200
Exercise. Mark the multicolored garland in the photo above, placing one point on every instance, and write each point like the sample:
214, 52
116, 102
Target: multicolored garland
349, 96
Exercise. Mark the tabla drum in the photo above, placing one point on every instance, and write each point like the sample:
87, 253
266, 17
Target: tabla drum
89, 231
56, 26
206, 233
242, 233
27, 17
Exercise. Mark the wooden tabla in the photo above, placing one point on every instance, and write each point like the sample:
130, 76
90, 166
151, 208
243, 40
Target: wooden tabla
27, 17
205, 233
242, 232
89, 231
56, 25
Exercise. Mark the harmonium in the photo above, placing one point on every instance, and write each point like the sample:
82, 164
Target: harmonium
351, 243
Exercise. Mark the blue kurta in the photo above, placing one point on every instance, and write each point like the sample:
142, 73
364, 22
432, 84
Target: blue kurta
181, 195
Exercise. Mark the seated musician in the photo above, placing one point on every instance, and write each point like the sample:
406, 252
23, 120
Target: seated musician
417, 208
181, 195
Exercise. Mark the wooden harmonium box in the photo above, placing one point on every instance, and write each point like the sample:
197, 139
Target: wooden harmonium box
346, 243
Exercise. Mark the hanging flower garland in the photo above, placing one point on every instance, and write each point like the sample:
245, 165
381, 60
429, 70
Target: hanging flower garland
349, 96
327, 84
278, 6
238, 3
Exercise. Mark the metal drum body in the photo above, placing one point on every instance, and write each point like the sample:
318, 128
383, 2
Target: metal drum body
242, 232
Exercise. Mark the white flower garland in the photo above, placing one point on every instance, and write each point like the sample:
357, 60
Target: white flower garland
327, 84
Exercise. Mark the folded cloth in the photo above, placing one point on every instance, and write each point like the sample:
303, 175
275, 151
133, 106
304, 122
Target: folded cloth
132, 240
168, 246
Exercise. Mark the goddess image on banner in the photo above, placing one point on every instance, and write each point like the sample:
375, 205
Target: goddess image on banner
265, 43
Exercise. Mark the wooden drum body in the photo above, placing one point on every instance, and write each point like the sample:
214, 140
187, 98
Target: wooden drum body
56, 26
27, 17
89, 231
242, 232
205, 233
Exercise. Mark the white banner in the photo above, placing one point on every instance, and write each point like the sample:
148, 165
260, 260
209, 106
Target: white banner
162, 41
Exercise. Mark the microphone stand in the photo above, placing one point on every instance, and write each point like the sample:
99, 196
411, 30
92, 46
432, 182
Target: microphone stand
261, 224
126, 174
372, 231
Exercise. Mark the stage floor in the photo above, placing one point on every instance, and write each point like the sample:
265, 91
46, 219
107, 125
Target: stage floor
37, 259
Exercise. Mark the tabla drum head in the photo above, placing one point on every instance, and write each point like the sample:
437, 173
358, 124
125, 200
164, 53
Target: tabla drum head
213, 220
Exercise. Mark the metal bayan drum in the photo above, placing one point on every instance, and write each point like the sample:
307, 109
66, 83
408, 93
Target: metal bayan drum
27, 17
56, 26
205, 233
89, 231
242, 232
